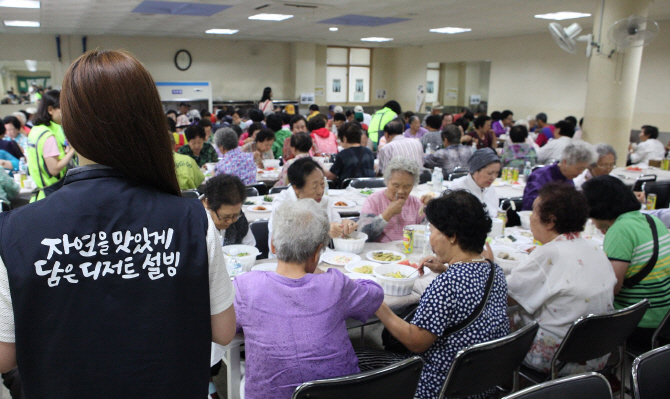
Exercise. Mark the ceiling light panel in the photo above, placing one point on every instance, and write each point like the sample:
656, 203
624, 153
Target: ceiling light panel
20, 3
23, 24
450, 30
222, 31
376, 39
560, 16
270, 17
362, 20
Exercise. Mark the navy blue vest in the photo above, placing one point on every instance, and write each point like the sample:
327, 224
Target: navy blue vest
110, 289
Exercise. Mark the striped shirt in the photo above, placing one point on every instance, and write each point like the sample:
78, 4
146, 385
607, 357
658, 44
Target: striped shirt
630, 240
401, 147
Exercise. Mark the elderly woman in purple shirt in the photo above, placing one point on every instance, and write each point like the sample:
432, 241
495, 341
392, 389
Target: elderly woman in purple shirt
294, 320
577, 156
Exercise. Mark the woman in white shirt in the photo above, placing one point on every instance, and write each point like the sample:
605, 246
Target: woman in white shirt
649, 147
484, 167
223, 198
564, 279
266, 105
308, 181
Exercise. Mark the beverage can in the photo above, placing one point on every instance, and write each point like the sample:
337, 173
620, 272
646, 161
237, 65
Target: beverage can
515, 174
665, 164
651, 201
408, 240
503, 215
504, 174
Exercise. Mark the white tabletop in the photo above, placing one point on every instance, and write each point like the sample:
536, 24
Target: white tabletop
630, 174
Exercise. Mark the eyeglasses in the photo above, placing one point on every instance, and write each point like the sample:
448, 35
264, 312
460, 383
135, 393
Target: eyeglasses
227, 217
607, 166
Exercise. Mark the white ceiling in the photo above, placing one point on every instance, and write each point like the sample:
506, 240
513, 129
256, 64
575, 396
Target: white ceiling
486, 18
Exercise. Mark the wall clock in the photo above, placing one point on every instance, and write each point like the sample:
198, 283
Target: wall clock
182, 60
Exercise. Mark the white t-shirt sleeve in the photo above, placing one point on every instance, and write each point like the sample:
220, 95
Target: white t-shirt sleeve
221, 290
6, 311
249, 239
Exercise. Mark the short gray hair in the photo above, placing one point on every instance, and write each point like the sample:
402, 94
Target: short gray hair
402, 164
604, 149
298, 227
226, 138
20, 116
579, 152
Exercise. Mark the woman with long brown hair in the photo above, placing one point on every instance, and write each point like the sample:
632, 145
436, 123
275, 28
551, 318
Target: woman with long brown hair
129, 286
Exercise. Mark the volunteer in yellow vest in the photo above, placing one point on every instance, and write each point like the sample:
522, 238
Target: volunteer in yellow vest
380, 118
47, 154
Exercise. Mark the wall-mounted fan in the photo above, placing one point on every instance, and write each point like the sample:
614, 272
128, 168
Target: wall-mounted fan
566, 38
634, 31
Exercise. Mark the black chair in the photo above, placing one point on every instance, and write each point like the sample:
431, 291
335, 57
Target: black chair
364, 182
536, 167
6, 206
252, 192
259, 228
650, 374
662, 191
260, 187
425, 176
398, 381
661, 337
580, 386
591, 337
331, 185
481, 367
277, 190
455, 175
641, 180
513, 207
190, 194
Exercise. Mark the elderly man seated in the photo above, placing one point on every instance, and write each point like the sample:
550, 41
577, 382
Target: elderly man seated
294, 320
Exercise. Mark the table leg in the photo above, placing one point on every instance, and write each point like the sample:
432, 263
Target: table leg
232, 361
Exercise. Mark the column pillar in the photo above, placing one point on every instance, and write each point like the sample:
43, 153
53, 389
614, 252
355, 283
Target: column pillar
612, 81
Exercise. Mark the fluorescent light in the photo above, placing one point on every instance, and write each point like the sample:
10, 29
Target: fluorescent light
559, 16
270, 17
31, 65
333, 29
222, 31
376, 39
450, 30
25, 24
20, 3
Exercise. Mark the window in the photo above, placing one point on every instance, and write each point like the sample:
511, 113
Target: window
348, 75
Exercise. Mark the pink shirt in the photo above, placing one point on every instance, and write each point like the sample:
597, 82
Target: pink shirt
50, 148
378, 202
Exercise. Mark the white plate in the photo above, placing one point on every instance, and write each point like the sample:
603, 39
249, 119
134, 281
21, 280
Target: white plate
255, 202
334, 193
351, 265
365, 195
250, 208
350, 204
329, 257
518, 187
265, 267
519, 240
402, 256
360, 276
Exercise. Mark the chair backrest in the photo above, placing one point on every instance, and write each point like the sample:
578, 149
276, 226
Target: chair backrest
6, 206
190, 193
580, 386
536, 167
398, 381
259, 228
650, 374
455, 175
662, 191
662, 334
513, 218
252, 192
643, 179
594, 336
425, 176
481, 367
260, 187
364, 182
331, 185
277, 190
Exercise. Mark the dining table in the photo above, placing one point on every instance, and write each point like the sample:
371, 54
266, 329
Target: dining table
630, 174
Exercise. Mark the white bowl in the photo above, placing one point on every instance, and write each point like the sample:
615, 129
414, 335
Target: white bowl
507, 264
354, 246
396, 286
525, 219
246, 261
352, 265
271, 163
